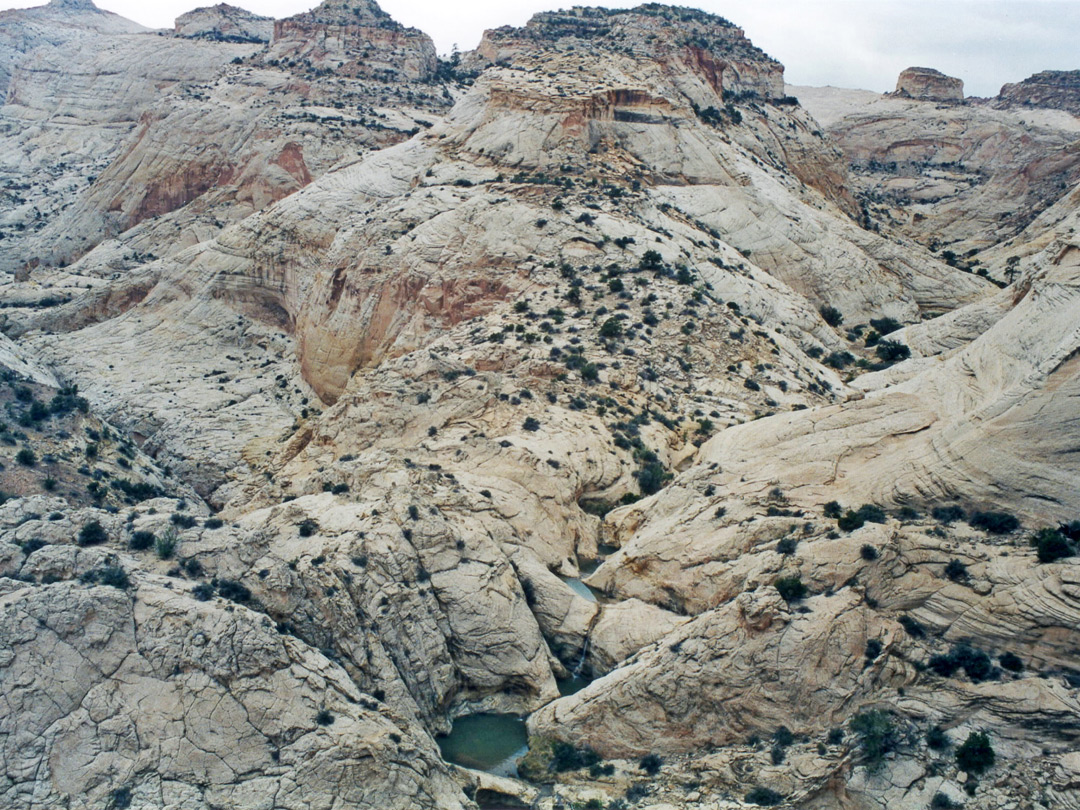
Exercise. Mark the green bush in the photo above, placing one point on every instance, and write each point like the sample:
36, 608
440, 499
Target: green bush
976, 755
994, 522
868, 552
1011, 662
831, 315
307, 527
165, 545
947, 514
763, 797
937, 739
791, 589
877, 735
141, 541
26, 457
611, 329
956, 571
531, 424
567, 757
92, 534
891, 351
650, 763
324, 718
1051, 545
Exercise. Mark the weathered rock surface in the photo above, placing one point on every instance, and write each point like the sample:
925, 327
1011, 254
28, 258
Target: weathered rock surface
354, 38
224, 23
413, 388
927, 84
1054, 89
962, 178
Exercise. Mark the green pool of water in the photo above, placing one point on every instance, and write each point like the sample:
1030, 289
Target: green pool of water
580, 588
572, 684
486, 742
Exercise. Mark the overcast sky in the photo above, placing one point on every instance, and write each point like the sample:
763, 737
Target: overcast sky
847, 43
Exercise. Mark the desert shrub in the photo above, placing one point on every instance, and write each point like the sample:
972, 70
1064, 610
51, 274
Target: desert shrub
839, 360
92, 534
947, 514
324, 717
867, 513
791, 589
567, 757
937, 739
232, 590
112, 575
873, 649
974, 662
183, 521
1051, 545
141, 541
531, 424
833, 510
165, 545
912, 626
1011, 662
976, 755
763, 797
943, 802
890, 351
777, 755
885, 325
956, 571
33, 544
651, 477
831, 315
994, 522
26, 457
868, 552
835, 736
877, 735
204, 592
651, 763
213, 523
611, 329
787, 545
307, 527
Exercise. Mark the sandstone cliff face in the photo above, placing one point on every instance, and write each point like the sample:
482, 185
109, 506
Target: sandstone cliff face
367, 391
927, 84
354, 38
1053, 89
950, 176
224, 22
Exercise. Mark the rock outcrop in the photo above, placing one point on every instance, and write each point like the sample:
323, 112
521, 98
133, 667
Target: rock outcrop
1052, 89
350, 392
224, 23
353, 38
927, 84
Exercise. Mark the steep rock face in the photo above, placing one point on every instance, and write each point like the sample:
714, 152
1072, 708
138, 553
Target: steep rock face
354, 38
927, 84
73, 23
691, 41
1053, 89
150, 695
224, 23
950, 176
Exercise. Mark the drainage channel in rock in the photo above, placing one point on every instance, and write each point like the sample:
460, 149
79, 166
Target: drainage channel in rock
486, 742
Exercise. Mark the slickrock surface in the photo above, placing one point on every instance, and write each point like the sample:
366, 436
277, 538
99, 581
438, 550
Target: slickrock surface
347, 391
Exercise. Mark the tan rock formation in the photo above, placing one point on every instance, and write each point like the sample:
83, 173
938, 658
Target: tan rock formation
927, 84
224, 22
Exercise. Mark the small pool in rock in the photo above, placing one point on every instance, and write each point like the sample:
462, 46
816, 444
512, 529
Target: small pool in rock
486, 742
580, 588
572, 683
